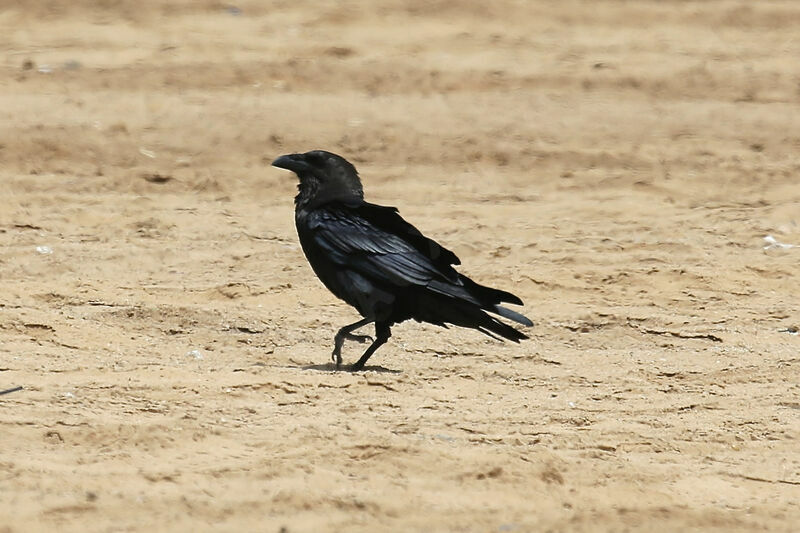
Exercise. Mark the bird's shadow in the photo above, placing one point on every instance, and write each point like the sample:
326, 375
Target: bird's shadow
330, 367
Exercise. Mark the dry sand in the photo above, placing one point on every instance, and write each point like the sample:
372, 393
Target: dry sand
616, 164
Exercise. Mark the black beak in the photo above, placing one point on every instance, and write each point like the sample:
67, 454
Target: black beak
293, 162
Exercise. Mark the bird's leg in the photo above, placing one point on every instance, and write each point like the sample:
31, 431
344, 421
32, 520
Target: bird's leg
382, 334
346, 333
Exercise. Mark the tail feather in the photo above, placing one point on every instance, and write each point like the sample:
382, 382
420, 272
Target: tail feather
470, 295
440, 309
511, 315
500, 328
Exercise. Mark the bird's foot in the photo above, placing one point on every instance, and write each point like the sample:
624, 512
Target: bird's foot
336, 357
356, 367
361, 339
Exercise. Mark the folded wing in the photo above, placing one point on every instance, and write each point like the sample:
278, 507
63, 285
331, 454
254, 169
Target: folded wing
377, 243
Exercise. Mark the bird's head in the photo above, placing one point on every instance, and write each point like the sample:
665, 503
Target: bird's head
324, 177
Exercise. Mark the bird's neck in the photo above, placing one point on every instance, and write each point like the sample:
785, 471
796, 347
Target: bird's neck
311, 195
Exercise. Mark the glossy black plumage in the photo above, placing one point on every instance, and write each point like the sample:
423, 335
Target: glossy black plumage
371, 258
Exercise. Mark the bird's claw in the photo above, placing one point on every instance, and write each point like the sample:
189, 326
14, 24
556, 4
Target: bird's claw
361, 339
336, 357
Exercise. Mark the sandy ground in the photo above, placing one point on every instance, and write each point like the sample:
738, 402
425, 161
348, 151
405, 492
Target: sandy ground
616, 164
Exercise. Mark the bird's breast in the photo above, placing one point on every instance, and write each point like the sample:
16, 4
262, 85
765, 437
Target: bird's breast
321, 263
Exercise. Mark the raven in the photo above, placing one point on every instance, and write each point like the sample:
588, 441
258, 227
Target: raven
371, 258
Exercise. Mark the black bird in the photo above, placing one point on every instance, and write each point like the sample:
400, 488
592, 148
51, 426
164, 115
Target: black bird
371, 258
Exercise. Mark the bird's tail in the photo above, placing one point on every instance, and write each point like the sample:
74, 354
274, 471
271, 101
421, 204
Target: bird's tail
467, 304
489, 325
442, 310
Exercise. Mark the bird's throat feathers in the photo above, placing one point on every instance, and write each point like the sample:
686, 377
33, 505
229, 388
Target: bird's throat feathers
314, 192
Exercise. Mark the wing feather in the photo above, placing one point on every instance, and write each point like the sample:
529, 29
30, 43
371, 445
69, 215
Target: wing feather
354, 239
